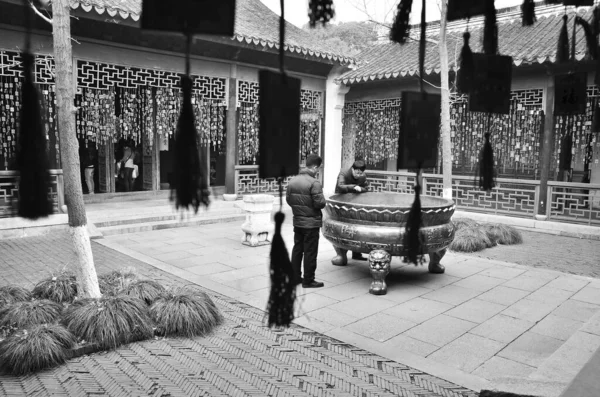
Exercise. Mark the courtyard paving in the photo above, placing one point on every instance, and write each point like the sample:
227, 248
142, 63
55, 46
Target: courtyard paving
484, 322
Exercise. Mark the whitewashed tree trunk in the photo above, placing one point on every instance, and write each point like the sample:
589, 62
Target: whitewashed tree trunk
85, 271
445, 116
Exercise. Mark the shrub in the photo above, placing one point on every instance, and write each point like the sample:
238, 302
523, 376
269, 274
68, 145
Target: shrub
116, 281
41, 346
146, 290
471, 239
185, 312
58, 288
109, 321
26, 314
461, 223
503, 234
12, 293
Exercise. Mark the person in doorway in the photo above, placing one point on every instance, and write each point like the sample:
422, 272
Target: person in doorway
125, 169
89, 162
353, 180
305, 195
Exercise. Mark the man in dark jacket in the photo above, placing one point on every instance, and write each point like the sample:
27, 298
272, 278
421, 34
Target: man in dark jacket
353, 180
305, 195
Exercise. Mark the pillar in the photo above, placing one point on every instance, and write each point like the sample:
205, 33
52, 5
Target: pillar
546, 149
334, 104
231, 138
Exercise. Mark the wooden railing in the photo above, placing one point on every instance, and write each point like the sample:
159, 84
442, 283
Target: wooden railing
568, 202
9, 190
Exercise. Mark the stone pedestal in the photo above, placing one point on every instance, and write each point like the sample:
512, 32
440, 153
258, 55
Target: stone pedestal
258, 228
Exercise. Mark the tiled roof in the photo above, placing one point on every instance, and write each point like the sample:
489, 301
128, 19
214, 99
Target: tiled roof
255, 24
525, 44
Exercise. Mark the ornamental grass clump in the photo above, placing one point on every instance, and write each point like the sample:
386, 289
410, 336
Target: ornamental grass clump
58, 288
114, 282
36, 348
109, 321
461, 223
12, 294
185, 312
26, 314
503, 234
146, 290
471, 239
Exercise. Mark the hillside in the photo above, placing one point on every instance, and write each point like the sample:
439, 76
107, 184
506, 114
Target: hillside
348, 38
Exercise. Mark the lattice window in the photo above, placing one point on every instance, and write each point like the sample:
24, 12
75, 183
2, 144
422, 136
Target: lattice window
104, 76
579, 125
515, 137
11, 78
247, 92
311, 100
379, 104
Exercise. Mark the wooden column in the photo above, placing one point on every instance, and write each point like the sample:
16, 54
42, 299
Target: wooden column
231, 138
547, 148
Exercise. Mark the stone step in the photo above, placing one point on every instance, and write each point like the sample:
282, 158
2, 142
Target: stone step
529, 387
160, 215
169, 224
566, 362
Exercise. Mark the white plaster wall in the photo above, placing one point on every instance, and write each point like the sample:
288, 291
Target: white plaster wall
248, 73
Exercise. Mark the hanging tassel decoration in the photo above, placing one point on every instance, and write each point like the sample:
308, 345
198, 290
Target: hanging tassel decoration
320, 11
596, 120
280, 307
191, 185
32, 154
596, 21
590, 37
562, 53
490, 29
566, 152
422, 46
465, 72
283, 292
401, 27
528, 12
412, 237
486, 165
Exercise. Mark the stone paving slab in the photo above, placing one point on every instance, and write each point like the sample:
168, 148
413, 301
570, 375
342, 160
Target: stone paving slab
242, 358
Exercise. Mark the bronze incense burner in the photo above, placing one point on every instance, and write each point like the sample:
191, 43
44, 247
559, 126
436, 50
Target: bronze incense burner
373, 223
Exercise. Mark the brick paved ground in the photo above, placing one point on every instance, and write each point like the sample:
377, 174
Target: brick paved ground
540, 250
242, 358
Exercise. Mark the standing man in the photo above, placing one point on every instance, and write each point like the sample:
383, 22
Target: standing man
89, 163
353, 180
305, 195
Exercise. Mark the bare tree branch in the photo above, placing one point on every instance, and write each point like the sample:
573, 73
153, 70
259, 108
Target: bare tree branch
45, 18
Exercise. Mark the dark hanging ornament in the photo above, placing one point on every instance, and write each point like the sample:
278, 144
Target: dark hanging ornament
490, 29
401, 27
465, 72
562, 53
566, 152
32, 154
283, 292
596, 120
320, 11
596, 21
191, 185
412, 237
279, 144
422, 45
528, 12
486, 165
590, 38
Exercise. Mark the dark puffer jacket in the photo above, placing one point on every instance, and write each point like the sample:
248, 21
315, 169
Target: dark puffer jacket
346, 182
305, 195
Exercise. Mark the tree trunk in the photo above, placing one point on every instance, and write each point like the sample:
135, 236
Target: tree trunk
87, 279
445, 116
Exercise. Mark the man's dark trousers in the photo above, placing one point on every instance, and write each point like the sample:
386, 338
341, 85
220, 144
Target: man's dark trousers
306, 242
